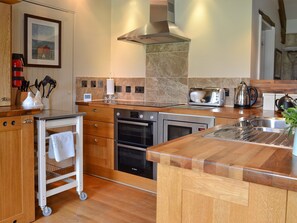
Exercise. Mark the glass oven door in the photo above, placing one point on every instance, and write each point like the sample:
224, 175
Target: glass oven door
138, 133
132, 160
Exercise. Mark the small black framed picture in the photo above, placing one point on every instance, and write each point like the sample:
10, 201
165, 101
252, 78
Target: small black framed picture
42, 42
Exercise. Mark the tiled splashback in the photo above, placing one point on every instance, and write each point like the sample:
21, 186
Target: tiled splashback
156, 89
122, 84
166, 78
167, 72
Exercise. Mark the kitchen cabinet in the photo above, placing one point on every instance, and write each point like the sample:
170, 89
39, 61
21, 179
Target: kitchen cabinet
99, 147
196, 195
98, 138
5, 58
17, 169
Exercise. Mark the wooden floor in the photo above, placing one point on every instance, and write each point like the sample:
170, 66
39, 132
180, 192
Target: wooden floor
107, 202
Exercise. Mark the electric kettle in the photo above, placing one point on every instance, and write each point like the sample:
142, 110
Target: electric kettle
285, 102
245, 96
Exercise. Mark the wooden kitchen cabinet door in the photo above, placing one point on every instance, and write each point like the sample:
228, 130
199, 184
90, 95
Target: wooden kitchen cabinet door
5, 57
98, 152
200, 197
16, 170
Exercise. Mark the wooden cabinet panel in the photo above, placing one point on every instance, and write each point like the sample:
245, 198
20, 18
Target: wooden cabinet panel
98, 151
199, 197
101, 129
10, 174
17, 170
292, 207
100, 114
5, 58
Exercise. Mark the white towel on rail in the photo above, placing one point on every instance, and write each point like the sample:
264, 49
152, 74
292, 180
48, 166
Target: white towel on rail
61, 146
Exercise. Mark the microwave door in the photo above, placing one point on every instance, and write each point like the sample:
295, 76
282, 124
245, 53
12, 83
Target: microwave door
176, 129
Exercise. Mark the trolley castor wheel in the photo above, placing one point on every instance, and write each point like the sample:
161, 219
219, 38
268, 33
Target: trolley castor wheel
46, 211
83, 196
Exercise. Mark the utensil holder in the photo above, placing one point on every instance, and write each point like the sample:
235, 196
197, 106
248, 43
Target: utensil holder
46, 103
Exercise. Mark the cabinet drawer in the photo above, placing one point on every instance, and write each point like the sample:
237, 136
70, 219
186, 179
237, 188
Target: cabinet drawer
97, 113
101, 129
98, 152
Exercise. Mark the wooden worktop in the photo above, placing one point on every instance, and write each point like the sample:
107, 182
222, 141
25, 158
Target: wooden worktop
222, 112
266, 165
8, 111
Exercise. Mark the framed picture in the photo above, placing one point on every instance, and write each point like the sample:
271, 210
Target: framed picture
42, 42
277, 64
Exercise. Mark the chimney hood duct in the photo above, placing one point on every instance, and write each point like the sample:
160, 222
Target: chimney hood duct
161, 28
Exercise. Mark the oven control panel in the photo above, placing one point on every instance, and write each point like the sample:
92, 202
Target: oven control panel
136, 115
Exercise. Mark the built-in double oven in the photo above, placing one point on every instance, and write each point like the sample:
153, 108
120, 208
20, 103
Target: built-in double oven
134, 132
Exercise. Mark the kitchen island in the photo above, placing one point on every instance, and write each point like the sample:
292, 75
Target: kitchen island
204, 179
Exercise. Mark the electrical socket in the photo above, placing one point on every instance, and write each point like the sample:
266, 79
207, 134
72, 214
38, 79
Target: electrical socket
128, 89
100, 84
139, 89
117, 88
226, 92
84, 83
93, 83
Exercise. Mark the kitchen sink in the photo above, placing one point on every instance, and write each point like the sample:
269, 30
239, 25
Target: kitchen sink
264, 124
271, 131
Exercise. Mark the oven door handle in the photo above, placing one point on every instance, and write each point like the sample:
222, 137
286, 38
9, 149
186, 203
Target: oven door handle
133, 123
132, 147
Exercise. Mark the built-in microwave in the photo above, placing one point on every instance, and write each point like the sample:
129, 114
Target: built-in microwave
173, 126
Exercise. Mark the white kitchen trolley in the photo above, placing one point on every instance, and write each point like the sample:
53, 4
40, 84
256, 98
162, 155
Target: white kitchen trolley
49, 174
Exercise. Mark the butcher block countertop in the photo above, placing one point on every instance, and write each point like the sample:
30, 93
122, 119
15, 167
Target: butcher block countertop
261, 164
222, 112
8, 111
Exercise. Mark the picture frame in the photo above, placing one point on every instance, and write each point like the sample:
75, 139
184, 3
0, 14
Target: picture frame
42, 42
277, 64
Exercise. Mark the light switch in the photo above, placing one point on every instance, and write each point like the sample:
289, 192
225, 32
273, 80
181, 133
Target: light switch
268, 101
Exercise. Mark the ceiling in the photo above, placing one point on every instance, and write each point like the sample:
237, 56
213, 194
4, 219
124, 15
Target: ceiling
291, 9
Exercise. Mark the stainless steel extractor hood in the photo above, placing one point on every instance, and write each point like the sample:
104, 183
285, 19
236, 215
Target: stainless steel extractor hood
161, 28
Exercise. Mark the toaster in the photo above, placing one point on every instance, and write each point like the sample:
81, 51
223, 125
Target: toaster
207, 96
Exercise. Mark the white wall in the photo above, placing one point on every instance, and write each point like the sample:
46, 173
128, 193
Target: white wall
220, 33
291, 26
92, 38
62, 96
85, 43
270, 8
127, 59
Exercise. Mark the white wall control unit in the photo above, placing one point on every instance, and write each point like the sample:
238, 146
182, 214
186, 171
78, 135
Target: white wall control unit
87, 97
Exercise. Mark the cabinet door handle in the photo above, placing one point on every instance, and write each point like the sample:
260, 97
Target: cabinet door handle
4, 99
95, 140
96, 125
27, 121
